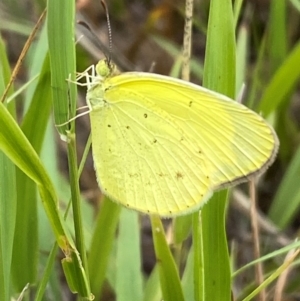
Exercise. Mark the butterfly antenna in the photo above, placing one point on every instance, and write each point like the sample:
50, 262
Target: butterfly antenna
92, 32
109, 31
84, 24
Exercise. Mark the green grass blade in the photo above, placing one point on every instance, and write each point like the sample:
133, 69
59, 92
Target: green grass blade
16, 146
273, 276
182, 227
237, 10
8, 205
101, 245
25, 252
281, 251
198, 260
60, 23
152, 290
76, 277
129, 278
217, 277
8, 202
219, 66
277, 33
26, 234
287, 199
188, 277
282, 83
168, 273
46, 274
257, 80
219, 75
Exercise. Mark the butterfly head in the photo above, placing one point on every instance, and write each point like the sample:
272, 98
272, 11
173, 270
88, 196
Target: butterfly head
106, 68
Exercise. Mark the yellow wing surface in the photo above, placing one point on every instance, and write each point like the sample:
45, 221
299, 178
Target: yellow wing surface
163, 145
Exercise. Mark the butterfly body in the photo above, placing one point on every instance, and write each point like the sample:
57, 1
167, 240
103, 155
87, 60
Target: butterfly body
163, 145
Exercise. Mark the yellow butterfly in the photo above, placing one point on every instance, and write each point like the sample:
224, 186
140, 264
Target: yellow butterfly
163, 145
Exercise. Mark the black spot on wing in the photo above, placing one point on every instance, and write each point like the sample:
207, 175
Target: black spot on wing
179, 175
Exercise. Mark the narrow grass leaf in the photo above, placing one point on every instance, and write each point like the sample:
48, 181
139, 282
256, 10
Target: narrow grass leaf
182, 227
219, 75
219, 66
277, 33
273, 276
34, 63
152, 291
60, 24
8, 201
282, 83
101, 245
76, 277
216, 265
26, 253
188, 277
46, 273
168, 273
16, 146
257, 77
129, 277
199, 272
236, 11
8, 204
282, 211
268, 256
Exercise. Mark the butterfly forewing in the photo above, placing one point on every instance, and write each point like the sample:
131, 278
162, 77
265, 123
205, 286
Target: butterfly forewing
235, 141
143, 159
